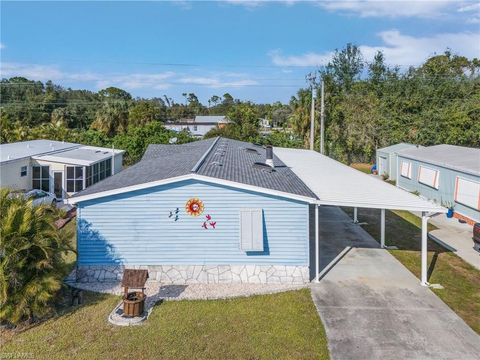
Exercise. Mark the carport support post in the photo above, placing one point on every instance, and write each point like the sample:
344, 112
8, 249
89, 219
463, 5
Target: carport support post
382, 228
355, 215
317, 246
424, 249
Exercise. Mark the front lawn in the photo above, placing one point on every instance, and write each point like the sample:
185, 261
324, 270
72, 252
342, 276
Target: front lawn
460, 280
279, 326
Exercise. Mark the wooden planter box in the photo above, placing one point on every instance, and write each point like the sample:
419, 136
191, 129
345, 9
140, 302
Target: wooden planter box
133, 304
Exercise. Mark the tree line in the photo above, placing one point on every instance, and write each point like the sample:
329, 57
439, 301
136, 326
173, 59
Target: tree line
368, 105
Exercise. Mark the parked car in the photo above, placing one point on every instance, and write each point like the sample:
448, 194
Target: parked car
41, 197
476, 237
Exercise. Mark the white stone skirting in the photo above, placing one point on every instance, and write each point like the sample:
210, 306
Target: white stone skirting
201, 274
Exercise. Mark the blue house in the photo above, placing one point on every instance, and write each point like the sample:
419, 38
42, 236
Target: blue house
215, 210
447, 174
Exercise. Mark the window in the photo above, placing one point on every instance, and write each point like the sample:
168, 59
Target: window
428, 177
251, 229
98, 171
467, 192
41, 178
194, 127
74, 178
406, 169
23, 171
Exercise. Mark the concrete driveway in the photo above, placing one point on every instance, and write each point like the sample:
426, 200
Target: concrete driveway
374, 308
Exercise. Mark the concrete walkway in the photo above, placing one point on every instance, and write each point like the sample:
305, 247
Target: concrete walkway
457, 237
372, 307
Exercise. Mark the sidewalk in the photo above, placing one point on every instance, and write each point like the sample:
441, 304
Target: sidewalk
456, 237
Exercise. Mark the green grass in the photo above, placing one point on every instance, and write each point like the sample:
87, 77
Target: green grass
460, 280
284, 325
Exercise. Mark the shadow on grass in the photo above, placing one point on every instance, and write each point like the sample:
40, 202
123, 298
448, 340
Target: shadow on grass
62, 307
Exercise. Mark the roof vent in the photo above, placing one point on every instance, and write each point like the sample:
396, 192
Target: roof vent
269, 160
252, 151
264, 167
217, 163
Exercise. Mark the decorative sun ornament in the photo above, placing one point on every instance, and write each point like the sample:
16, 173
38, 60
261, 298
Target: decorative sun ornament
194, 207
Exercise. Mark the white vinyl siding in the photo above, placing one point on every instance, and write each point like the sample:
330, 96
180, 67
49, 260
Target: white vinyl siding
428, 176
467, 192
406, 169
251, 230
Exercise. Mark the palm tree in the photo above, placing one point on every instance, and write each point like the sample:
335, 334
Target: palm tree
300, 117
31, 258
112, 117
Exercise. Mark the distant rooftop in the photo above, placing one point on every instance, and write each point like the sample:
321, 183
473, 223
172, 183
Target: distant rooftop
83, 155
211, 119
397, 147
459, 158
23, 149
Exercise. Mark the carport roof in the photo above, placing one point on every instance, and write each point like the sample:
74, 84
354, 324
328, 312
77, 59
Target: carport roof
337, 184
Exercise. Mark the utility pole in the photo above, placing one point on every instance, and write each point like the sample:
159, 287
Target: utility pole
322, 118
312, 78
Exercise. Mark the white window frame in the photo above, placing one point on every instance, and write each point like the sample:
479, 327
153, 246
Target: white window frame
41, 178
475, 201
23, 171
74, 179
409, 169
436, 181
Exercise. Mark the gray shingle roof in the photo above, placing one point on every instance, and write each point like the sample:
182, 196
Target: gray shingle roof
220, 158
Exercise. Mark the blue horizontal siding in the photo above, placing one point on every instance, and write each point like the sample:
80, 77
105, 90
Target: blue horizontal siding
134, 228
446, 186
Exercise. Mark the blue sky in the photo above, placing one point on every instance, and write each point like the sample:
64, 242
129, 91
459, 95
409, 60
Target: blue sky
255, 50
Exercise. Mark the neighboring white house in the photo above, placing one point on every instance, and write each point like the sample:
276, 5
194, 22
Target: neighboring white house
58, 167
198, 126
387, 159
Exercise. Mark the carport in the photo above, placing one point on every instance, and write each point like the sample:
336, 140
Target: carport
340, 185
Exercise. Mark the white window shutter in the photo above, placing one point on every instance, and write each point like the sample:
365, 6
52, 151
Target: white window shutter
251, 229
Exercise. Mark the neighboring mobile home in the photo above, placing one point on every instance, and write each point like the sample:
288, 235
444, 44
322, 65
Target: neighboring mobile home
221, 210
58, 167
448, 174
387, 159
199, 126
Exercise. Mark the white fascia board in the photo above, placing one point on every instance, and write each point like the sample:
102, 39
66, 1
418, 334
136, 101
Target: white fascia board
432, 209
207, 179
62, 160
126, 189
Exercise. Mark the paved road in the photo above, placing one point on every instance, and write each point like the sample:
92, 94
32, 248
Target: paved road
374, 308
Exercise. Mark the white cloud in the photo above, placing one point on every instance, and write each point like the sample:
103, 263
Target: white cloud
131, 81
215, 82
473, 11
2, 46
100, 80
407, 50
307, 59
369, 8
399, 49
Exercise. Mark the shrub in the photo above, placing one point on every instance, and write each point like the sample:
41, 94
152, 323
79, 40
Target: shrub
31, 258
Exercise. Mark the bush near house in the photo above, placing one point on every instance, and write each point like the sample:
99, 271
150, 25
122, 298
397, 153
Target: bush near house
32, 258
